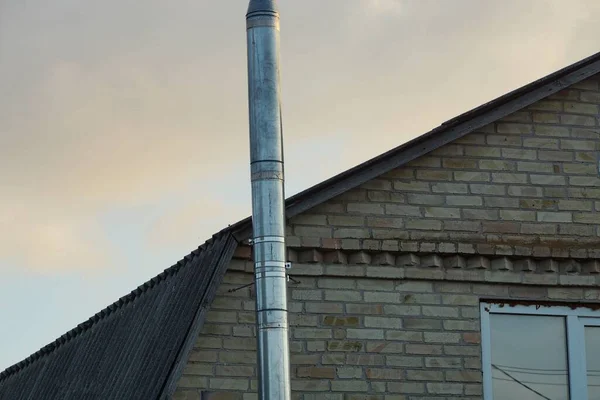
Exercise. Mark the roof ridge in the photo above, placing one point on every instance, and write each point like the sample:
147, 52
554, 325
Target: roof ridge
109, 310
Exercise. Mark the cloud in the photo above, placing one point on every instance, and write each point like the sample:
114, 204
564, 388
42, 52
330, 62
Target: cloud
385, 6
50, 243
95, 119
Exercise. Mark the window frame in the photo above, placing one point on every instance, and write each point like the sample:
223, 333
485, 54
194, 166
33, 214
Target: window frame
576, 319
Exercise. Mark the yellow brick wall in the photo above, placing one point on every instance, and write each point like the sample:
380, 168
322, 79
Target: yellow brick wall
527, 184
382, 310
356, 338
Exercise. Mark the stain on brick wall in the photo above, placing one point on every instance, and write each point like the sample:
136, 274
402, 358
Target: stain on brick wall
528, 180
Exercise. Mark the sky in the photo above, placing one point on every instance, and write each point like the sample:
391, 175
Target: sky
124, 129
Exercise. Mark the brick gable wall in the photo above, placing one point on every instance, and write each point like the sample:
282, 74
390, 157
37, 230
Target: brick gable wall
382, 310
527, 183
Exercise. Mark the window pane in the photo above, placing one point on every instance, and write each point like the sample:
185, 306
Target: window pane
529, 357
592, 356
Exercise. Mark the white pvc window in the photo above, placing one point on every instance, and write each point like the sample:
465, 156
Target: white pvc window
540, 352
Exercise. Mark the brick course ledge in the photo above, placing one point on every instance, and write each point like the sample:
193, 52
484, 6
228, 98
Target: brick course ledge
571, 247
428, 266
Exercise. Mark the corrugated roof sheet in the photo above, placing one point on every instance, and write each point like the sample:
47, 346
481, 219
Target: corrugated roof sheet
131, 349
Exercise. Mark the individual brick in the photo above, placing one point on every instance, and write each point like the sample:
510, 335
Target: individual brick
517, 215
480, 214
316, 372
424, 224
519, 154
585, 145
353, 333
483, 151
568, 119
385, 197
234, 370
461, 325
497, 190
384, 373
313, 231
585, 156
228, 383
463, 376
434, 311
546, 216
550, 180
383, 322
425, 199
310, 385
404, 336
501, 202
591, 181
545, 118
193, 381
411, 186
425, 349
525, 191
449, 188
406, 387
349, 372
403, 210
441, 337
497, 165
471, 176
346, 220
434, 175
424, 375
385, 347
590, 97
541, 143
543, 167
443, 362
364, 208
580, 169
342, 295
554, 131
504, 177
404, 361
459, 163
468, 226
514, 128
441, 212
445, 388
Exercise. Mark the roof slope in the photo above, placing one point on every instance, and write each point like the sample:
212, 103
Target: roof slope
130, 350
136, 348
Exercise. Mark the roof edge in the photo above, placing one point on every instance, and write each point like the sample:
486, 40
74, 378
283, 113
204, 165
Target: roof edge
170, 384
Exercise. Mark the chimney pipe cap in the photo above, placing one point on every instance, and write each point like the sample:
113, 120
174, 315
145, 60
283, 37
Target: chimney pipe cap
262, 7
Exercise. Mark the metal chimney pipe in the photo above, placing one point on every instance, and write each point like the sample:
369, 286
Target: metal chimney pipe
268, 207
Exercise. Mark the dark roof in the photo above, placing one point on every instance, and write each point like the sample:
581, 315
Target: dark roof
136, 348
131, 349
